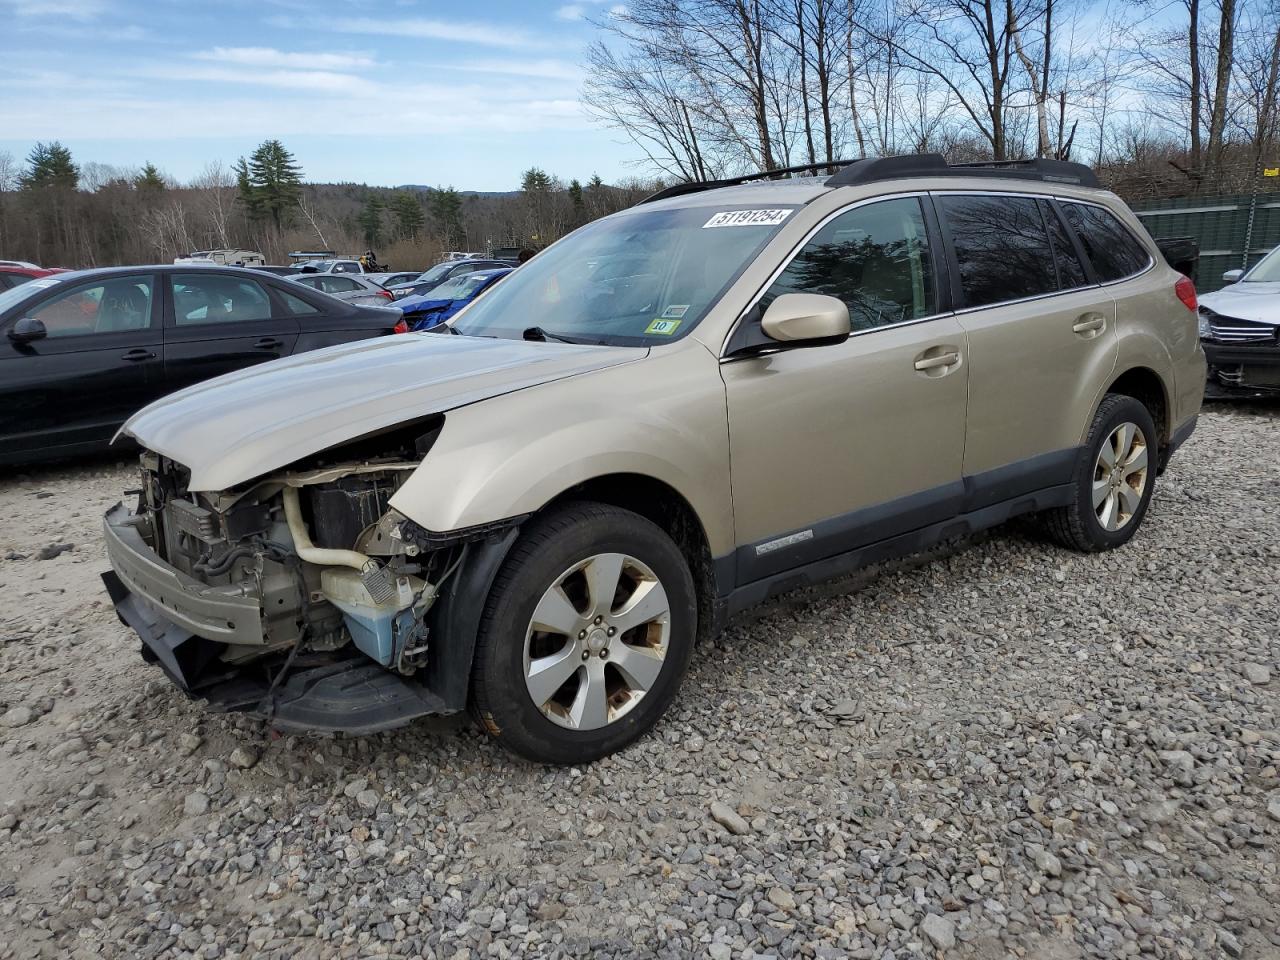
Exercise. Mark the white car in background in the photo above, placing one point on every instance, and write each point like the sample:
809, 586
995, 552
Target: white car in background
1240, 331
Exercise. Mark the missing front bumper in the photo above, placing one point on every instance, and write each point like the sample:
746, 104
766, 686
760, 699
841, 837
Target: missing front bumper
328, 693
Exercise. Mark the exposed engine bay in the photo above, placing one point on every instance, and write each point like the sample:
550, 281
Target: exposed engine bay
301, 576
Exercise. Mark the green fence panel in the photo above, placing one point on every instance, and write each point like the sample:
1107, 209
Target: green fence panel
1222, 225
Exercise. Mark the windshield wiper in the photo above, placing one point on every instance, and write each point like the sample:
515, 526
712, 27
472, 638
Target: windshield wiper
537, 333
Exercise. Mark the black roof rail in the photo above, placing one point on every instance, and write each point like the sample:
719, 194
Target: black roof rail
934, 165
697, 186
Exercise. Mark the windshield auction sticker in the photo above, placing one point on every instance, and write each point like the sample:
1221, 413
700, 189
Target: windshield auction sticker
663, 328
747, 218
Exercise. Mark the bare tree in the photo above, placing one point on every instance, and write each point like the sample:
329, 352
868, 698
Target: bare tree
217, 191
307, 207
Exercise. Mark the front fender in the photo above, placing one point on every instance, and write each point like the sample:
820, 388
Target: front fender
663, 417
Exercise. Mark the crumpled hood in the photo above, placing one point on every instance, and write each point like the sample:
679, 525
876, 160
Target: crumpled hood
1258, 301
239, 426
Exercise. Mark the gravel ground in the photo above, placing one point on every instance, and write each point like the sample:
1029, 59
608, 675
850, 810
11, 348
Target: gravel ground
998, 751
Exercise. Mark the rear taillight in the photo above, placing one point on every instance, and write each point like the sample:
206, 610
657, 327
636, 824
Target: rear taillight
400, 327
1186, 291
386, 294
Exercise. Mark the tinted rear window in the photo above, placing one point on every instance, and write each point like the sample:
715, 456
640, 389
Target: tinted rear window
1114, 252
1001, 247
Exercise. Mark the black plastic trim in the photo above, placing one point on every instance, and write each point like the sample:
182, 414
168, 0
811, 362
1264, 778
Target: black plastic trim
949, 503
1179, 437
697, 186
904, 544
934, 165
455, 620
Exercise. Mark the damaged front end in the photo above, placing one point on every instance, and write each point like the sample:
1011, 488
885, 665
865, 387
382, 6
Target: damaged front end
302, 596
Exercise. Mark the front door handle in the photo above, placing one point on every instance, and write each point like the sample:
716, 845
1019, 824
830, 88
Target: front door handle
140, 353
940, 360
1090, 325
268, 343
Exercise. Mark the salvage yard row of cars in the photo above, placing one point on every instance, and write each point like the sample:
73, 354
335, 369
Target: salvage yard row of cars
83, 350
676, 412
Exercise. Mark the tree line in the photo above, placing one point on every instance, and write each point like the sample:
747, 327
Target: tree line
1167, 97
58, 212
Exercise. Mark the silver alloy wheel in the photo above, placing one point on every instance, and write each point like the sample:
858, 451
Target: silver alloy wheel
1120, 476
597, 641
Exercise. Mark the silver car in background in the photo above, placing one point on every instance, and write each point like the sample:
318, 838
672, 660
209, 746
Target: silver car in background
351, 288
1240, 331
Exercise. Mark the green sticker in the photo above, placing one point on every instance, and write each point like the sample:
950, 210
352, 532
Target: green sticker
663, 328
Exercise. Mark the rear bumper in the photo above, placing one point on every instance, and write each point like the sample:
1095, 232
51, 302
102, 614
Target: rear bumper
185, 627
1181, 434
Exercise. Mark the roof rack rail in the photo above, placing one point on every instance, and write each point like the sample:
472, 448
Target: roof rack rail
934, 165
697, 186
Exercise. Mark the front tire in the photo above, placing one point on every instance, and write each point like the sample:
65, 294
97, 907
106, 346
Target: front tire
585, 636
1114, 479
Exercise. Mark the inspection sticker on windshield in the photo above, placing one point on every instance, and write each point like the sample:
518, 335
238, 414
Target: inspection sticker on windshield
675, 311
747, 218
663, 328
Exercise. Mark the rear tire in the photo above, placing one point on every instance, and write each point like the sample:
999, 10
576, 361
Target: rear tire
585, 636
1114, 479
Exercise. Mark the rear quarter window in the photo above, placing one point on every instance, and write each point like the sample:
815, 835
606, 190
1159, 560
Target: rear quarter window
1114, 252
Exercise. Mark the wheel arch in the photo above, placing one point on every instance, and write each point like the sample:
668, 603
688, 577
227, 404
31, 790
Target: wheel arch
666, 507
1148, 388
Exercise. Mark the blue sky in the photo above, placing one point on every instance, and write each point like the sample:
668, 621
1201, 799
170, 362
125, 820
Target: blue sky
385, 92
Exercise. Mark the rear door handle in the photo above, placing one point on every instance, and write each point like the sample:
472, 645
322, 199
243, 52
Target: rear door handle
268, 343
941, 360
1090, 323
138, 354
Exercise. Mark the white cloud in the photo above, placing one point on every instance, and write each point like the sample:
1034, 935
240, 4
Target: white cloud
270, 57
57, 9
419, 28
571, 11
315, 81
543, 69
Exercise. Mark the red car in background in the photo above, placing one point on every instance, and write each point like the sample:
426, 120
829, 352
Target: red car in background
15, 272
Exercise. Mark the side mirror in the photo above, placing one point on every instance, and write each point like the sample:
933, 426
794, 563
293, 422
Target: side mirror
28, 329
806, 319
1231, 276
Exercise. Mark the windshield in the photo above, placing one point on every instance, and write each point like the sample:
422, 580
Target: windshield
459, 288
17, 294
636, 279
1267, 270
436, 272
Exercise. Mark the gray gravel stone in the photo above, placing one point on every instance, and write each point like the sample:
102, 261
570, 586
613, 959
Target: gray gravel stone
17, 717
244, 757
940, 931
1256, 673
728, 818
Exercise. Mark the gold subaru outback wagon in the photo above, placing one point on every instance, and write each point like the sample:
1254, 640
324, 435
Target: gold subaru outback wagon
731, 389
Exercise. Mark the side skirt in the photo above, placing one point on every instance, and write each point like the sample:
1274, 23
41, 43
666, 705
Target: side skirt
750, 594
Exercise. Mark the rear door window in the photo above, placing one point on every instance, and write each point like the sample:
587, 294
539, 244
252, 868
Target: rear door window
1001, 246
1114, 252
874, 257
338, 285
208, 298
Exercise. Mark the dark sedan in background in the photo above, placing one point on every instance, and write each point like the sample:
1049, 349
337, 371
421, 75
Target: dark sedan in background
82, 351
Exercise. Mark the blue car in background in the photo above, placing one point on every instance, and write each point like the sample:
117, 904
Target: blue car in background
433, 308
